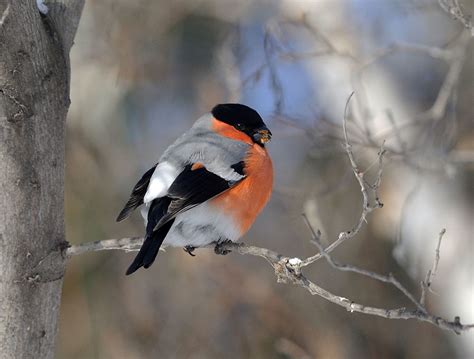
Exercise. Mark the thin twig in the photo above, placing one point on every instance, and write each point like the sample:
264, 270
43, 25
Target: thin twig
426, 284
454, 9
438, 109
367, 208
434, 269
276, 85
451, 80
316, 240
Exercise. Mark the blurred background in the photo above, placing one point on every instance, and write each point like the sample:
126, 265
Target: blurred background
143, 71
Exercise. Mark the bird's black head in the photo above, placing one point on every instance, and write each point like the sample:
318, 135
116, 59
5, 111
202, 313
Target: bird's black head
244, 119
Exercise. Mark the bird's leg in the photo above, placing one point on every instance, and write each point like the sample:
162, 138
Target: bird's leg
219, 248
190, 250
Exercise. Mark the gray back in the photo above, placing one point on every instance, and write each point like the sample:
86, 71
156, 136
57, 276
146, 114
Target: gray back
201, 144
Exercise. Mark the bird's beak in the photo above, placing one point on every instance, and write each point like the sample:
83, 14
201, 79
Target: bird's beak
262, 135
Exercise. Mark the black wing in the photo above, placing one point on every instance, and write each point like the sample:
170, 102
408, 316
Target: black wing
193, 187
136, 198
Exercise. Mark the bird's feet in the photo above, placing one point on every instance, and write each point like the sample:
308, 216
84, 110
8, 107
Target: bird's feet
190, 250
220, 247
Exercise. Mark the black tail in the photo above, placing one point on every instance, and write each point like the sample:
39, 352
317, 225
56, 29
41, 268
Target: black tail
154, 237
147, 254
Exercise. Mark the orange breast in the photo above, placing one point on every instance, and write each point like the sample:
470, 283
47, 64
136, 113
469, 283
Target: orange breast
246, 200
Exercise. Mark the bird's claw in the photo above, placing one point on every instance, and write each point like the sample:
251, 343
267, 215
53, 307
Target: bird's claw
220, 249
190, 250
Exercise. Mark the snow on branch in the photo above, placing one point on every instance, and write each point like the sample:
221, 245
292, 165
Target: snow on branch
42, 7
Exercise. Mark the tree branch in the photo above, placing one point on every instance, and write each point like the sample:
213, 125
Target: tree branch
365, 188
455, 9
454, 55
426, 284
288, 270
124, 244
316, 239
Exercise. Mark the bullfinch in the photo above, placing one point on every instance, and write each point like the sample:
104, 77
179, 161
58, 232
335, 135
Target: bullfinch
208, 186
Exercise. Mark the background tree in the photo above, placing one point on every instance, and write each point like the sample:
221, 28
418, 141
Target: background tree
34, 101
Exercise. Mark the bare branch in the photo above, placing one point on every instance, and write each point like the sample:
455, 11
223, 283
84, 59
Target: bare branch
438, 109
288, 270
455, 57
316, 240
434, 269
367, 208
454, 54
455, 9
268, 47
426, 284
125, 244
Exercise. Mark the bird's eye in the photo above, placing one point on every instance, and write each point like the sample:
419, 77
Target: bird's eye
240, 126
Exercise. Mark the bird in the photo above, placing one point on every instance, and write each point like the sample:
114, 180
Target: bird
208, 187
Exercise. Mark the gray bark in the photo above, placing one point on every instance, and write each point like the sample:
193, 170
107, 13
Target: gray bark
34, 100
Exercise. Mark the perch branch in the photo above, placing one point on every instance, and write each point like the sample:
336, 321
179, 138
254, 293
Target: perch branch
124, 244
288, 270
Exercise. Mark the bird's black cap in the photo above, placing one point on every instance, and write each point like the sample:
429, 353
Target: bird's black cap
236, 114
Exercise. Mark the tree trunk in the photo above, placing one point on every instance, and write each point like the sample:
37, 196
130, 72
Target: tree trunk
34, 100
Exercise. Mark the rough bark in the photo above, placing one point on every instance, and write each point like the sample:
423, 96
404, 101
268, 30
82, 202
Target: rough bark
34, 100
